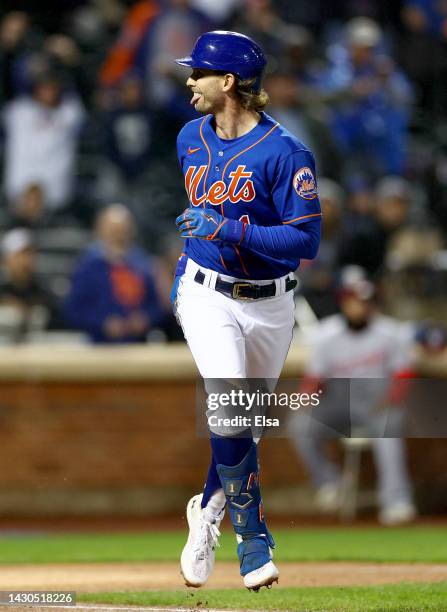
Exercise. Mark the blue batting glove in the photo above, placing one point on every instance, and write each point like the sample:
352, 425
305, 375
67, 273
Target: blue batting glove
207, 224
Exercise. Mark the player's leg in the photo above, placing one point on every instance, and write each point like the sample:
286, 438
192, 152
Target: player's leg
310, 431
212, 491
395, 492
235, 455
211, 331
394, 485
218, 348
267, 329
324, 474
241, 486
217, 345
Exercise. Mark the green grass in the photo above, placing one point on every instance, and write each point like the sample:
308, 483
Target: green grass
395, 597
411, 544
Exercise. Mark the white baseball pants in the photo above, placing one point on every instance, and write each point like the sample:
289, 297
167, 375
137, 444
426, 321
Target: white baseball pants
231, 338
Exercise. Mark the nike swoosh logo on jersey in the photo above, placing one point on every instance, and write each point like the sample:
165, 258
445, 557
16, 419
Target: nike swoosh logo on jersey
190, 150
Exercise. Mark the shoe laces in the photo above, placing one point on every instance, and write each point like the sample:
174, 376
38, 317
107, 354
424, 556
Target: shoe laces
207, 539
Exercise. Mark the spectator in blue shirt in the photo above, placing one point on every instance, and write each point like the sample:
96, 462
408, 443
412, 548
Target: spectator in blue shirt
371, 99
113, 296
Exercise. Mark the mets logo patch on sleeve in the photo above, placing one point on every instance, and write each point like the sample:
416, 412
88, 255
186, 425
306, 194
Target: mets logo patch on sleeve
305, 184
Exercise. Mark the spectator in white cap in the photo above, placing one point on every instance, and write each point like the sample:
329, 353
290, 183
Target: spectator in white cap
362, 32
371, 99
20, 289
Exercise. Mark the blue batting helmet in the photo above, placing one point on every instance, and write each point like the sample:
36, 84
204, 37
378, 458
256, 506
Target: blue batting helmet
230, 52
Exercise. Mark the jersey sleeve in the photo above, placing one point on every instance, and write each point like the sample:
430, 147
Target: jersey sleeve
294, 192
181, 147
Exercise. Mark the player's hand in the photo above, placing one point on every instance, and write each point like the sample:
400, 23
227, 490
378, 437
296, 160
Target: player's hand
115, 327
207, 224
203, 223
138, 324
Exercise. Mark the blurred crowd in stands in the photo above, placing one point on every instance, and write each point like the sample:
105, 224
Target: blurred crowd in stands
91, 105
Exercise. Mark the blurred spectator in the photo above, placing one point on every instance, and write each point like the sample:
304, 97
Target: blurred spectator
62, 56
41, 136
315, 14
368, 231
43, 12
154, 34
423, 53
171, 247
260, 20
383, 11
29, 208
113, 297
426, 15
393, 199
121, 57
23, 300
59, 56
318, 277
128, 131
170, 35
16, 40
371, 100
290, 106
217, 12
299, 56
138, 160
373, 354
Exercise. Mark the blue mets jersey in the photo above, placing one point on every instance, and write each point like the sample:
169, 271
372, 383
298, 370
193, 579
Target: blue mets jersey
266, 177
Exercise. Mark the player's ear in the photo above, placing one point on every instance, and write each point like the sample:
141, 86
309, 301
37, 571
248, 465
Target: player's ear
229, 82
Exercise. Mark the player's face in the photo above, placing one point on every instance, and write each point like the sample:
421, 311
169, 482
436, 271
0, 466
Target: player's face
356, 311
207, 87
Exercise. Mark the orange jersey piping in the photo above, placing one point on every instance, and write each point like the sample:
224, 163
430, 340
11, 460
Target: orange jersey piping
248, 148
209, 157
241, 260
304, 217
222, 262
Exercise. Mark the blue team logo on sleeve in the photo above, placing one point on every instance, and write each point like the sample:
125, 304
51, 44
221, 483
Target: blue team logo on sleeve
305, 184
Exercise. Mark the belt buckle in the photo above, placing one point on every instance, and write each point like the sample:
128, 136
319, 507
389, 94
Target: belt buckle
236, 289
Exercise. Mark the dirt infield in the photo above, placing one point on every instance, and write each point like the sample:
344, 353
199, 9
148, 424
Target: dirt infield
151, 576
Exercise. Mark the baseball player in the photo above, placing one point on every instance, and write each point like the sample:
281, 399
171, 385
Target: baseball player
254, 212
373, 353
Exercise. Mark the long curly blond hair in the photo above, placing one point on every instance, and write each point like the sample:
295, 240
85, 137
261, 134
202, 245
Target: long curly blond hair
250, 99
